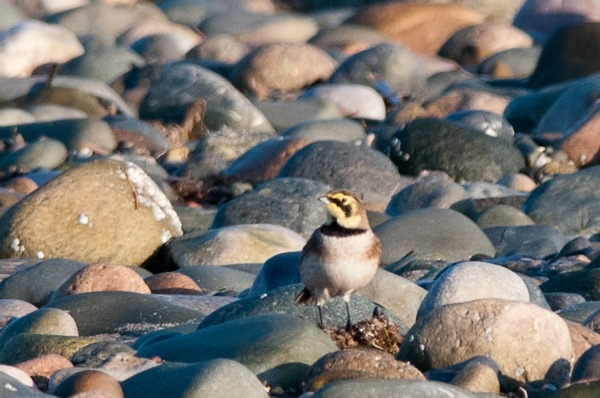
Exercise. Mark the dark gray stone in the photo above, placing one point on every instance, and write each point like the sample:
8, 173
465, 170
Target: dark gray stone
570, 202
290, 202
213, 278
122, 312
341, 165
435, 234
278, 348
579, 312
278, 271
463, 153
559, 301
536, 241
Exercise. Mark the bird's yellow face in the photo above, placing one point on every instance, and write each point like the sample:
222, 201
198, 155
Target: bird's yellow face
345, 208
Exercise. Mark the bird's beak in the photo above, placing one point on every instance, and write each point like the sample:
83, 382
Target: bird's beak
324, 199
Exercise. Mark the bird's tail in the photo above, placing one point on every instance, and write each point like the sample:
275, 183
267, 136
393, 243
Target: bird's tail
305, 297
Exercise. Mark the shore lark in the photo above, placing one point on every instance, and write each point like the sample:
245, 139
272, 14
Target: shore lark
341, 256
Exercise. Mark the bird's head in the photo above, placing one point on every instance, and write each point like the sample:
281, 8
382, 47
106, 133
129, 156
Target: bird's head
346, 209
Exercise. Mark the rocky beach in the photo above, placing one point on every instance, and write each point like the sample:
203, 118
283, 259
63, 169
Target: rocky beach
161, 164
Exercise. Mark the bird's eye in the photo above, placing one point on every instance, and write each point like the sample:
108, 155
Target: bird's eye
343, 200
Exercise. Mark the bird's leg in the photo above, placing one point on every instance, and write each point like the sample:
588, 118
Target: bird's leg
349, 323
321, 324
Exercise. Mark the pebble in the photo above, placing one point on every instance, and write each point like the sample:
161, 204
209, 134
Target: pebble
345, 130
351, 99
172, 283
44, 366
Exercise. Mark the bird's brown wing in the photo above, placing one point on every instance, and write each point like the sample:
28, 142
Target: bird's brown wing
305, 297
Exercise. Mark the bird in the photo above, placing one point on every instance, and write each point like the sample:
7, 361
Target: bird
341, 256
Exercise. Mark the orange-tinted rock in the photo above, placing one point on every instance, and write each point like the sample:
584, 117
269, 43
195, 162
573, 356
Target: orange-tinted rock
583, 143
8, 197
582, 339
458, 100
172, 283
22, 185
89, 381
103, 277
422, 28
45, 365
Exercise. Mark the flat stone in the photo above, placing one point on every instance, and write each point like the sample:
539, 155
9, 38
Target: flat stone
26, 346
537, 241
345, 130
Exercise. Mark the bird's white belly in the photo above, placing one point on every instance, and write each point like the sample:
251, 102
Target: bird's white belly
344, 269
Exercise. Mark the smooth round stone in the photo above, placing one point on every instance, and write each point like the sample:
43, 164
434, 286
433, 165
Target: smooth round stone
109, 21
361, 363
13, 116
557, 62
222, 48
213, 278
525, 112
488, 123
261, 28
218, 378
281, 68
579, 312
12, 387
180, 85
25, 346
537, 241
50, 321
36, 284
585, 282
382, 388
473, 280
73, 207
511, 63
52, 112
15, 308
278, 271
44, 366
103, 64
345, 130
102, 277
435, 144
541, 19
432, 234
95, 354
581, 389
354, 100
431, 190
587, 366
565, 199
484, 190
172, 283
285, 114
472, 44
249, 243
560, 301
88, 382
397, 66
159, 48
264, 161
17, 374
518, 182
524, 339
292, 202
45, 153
281, 300
194, 218
347, 38
503, 216
363, 170
32, 43
278, 348
119, 312
75, 134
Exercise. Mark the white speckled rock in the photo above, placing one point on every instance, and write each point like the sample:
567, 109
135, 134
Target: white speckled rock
104, 211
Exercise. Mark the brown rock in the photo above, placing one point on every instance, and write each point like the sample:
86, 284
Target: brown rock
102, 277
583, 338
407, 112
422, 28
359, 363
582, 143
264, 161
458, 100
172, 283
282, 68
103, 211
8, 197
44, 365
22, 185
89, 381
478, 377
525, 340
519, 182
472, 44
